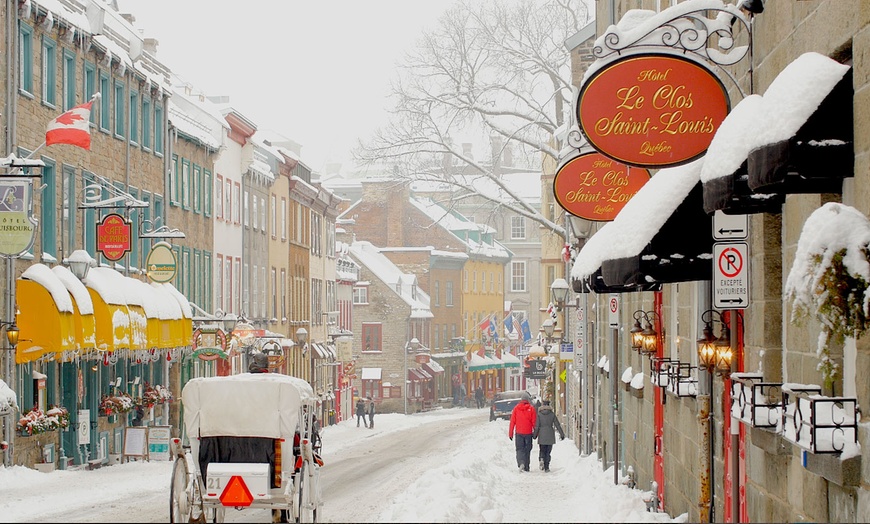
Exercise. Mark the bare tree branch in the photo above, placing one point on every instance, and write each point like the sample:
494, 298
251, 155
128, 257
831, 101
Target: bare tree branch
497, 68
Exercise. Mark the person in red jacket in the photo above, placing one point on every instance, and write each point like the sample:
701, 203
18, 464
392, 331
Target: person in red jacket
523, 419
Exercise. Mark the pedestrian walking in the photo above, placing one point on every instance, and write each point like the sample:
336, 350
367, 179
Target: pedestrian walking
371, 413
462, 394
546, 425
478, 396
361, 412
523, 418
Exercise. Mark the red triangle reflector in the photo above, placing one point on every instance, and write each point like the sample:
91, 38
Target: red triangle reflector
236, 493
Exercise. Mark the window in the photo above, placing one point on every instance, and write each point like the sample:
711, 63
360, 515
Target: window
518, 228
237, 270
316, 234
371, 337
263, 294
248, 211
274, 212
105, 103
49, 71
146, 123
448, 293
218, 198
48, 214
465, 281
360, 295
187, 288
274, 292
69, 80
196, 277
491, 282
25, 57
90, 87
436, 294
263, 213
283, 218
120, 100
134, 117
206, 192
185, 183
197, 189
330, 238
228, 283
255, 309
283, 296
483, 281
146, 215
228, 200
133, 257
518, 276
219, 283
158, 129
207, 287
237, 208
173, 181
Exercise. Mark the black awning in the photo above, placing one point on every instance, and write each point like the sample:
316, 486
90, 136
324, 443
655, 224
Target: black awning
817, 157
681, 251
731, 195
595, 283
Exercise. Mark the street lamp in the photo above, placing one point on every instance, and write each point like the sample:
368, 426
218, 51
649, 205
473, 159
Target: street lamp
11, 332
715, 354
79, 263
415, 345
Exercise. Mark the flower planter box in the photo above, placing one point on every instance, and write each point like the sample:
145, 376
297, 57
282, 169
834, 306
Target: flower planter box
45, 467
636, 393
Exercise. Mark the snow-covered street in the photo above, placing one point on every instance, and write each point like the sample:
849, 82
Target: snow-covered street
443, 466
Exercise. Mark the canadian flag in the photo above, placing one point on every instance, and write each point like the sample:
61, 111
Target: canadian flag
72, 127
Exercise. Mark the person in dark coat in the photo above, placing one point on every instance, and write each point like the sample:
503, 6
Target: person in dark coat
259, 363
478, 397
546, 425
371, 413
361, 412
523, 419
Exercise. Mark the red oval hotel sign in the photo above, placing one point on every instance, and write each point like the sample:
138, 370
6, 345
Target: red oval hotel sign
595, 187
652, 110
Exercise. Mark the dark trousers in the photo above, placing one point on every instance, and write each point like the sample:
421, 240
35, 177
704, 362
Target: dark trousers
524, 449
371, 420
544, 451
363, 417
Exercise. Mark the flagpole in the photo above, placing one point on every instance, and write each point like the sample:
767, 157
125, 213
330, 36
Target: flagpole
35, 150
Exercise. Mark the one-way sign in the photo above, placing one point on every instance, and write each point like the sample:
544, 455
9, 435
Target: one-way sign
730, 275
730, 227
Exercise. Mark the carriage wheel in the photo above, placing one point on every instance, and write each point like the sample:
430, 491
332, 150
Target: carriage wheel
179, 502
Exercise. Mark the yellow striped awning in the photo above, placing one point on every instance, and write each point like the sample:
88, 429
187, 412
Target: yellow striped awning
113, 330
85, 324
45, 320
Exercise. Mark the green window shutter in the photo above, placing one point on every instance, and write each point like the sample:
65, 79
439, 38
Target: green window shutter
69, 79
49, 71
48, 214
158, 129
146, 122
25, 57
134, 117
120, 102
197, 189
90, 87
207, 191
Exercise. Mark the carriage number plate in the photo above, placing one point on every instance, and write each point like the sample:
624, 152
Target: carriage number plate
256, 477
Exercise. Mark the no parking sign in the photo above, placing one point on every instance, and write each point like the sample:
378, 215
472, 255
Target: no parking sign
613, 310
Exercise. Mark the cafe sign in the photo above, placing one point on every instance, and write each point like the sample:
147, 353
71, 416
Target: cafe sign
113, 237
595, 187
17, 224
652, 110
161, 264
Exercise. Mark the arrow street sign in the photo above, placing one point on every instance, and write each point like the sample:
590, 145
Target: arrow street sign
730, 227
730, 275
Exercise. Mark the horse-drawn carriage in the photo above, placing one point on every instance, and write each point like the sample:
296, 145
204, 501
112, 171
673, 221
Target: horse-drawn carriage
253, 443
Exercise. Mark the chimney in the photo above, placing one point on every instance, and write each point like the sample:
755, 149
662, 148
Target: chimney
151, 46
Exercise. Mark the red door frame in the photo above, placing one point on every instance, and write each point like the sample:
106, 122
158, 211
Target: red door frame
659, 411
741, 437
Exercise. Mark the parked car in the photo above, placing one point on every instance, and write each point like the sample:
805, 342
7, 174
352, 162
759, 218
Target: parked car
503, 404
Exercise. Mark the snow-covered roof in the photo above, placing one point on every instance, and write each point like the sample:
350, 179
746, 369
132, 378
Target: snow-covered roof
403, 284
76, 289
45, 277
640, 219
460, 227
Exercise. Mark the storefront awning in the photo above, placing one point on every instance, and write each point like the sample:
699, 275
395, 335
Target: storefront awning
681, 251
45, 320
433, 367
476, 363
650, 232
110, 309
510, 360
595, 283
805, 142
724, 173
318, 351
418, 375
171, 319
85, 324
371, 374
494, 363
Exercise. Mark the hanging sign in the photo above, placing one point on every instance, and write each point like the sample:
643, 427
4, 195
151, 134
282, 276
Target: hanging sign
113, 237
652, 110
17, 224
209, 344
161, 265
595, 187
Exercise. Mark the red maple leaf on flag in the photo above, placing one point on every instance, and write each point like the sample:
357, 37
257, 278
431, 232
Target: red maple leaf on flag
68, 118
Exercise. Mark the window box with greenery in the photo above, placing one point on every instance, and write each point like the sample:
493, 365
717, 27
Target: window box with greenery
829, 279
37, 421
116, 404
154, 395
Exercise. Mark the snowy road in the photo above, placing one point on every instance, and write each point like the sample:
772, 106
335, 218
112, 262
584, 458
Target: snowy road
443, 466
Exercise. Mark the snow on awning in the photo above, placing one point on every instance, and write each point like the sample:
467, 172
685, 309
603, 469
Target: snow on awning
371, 373
642, 219
805, 142
476, 363
724, 173
433, 367
510, 360
8, 399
